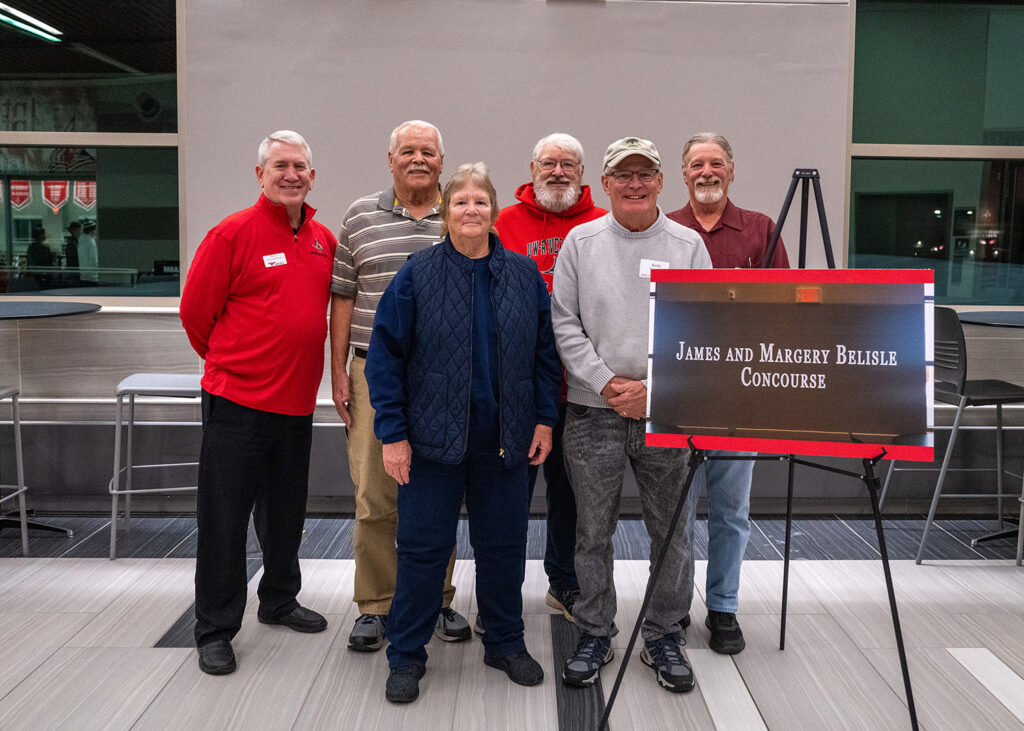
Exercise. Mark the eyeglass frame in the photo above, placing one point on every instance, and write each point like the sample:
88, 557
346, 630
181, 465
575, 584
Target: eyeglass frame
638, 174
549, 165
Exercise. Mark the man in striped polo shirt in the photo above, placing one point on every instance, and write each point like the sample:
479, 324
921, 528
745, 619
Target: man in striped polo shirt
378, 234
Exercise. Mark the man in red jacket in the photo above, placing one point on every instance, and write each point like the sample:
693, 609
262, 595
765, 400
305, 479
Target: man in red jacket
254, 308
549, 207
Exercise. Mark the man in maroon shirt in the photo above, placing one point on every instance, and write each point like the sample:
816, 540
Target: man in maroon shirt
735, 238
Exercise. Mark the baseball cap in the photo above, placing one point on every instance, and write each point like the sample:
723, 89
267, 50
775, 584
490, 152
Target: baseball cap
621, 149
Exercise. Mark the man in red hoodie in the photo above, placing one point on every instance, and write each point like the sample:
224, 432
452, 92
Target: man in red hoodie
549, 206
254, 308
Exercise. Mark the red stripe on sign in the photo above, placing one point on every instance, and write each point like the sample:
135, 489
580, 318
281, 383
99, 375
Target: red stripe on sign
795, 446
856, 276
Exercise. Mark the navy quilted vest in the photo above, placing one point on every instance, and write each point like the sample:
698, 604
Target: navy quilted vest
437, 377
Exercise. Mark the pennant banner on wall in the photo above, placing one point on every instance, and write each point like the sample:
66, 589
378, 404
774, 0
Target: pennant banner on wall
21, 194
85, 193
55, 193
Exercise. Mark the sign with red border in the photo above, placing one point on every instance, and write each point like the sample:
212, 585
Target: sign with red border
55, 193
834, 362
21, 194
85, 193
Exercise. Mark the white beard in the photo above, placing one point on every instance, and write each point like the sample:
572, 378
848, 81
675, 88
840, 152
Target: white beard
708, 195
554, 200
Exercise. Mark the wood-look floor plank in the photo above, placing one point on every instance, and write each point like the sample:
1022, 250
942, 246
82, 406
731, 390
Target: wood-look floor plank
276, 668
946, 695
142, 613
27, 640
821, 680
998, 679
67, 585
90, 688
726, 695
1003, 634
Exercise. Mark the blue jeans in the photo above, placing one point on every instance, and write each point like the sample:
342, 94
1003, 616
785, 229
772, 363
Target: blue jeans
428, 517
597, 443
727, 483
560, 553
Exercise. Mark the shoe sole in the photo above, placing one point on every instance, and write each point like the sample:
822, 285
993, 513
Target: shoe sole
590, 680
674, 688
307, 628
555, 604
465, 635
361, 647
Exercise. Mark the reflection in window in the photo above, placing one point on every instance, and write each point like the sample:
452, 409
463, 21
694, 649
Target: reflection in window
106, 67
962, 218
99, 221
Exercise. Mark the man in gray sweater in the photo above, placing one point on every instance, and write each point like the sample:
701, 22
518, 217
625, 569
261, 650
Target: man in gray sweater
599, 309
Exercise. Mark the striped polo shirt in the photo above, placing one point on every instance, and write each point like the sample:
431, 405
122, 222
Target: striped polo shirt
376, 237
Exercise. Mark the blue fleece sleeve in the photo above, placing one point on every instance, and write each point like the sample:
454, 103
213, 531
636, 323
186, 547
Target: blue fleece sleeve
547, 371
391, 341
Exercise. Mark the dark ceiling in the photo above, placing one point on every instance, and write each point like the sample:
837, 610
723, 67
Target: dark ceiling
139, 34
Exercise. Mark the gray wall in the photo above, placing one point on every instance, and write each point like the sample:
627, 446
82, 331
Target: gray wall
495, 76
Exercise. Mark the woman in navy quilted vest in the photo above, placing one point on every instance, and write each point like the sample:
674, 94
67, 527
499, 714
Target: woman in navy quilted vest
464, 379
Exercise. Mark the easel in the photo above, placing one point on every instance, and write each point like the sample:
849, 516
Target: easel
698, 456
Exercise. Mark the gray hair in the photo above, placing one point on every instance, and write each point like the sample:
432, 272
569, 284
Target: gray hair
393, 144
468, 172
559, 139
711, 138
287, 137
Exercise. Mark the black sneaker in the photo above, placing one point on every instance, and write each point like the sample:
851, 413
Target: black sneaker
670, 665
519, 666
584, 665
368, 633
451, 626
726, 635
404, 683
563, 600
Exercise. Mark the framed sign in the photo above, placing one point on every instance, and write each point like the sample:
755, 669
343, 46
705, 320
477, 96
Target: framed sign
833, 362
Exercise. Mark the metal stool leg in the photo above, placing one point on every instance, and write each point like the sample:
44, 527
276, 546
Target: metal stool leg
885, 486
942, 476
115, 481
128, 464
20, 468
999, 467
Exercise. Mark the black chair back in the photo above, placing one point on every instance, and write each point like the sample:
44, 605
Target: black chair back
950, 353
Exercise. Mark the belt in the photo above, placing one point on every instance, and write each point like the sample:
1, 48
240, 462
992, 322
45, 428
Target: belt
360, 353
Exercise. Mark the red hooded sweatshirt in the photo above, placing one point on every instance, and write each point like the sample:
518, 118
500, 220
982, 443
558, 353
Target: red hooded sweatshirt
538, 233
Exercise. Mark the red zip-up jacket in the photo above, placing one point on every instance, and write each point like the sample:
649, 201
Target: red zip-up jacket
254, 308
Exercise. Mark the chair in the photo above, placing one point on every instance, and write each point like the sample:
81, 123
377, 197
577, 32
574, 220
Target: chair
1020, 533
952, 387
17, 490
142, 384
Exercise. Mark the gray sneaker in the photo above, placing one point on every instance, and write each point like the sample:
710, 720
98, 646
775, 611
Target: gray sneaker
452, 626
671, 667
368, 633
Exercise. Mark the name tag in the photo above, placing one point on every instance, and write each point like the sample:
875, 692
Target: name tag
276, 260
646, 265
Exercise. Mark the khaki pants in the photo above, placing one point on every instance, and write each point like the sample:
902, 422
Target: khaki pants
376, 507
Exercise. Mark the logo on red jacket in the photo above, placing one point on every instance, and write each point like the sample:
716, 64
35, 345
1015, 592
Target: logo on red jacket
318, 248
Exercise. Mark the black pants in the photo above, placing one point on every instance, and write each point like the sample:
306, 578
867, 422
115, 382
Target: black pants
251, 462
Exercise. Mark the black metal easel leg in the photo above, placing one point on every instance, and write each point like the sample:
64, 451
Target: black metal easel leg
785, 556
871, 480
696, 456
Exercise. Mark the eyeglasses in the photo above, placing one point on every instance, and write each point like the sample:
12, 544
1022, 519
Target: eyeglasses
625, 176
567, 165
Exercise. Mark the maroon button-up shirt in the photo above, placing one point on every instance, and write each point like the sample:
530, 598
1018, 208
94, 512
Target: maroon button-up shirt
738, 239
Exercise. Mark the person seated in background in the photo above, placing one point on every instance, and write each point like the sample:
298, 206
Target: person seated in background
464, 379
88, 254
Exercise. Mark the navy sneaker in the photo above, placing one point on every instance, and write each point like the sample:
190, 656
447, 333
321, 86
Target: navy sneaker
666, 656
726, 635
404, 683
584, 665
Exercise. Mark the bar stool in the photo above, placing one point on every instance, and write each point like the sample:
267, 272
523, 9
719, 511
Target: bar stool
142, 384
18, 490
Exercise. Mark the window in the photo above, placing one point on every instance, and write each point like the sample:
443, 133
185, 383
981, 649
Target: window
937, 171
88, 149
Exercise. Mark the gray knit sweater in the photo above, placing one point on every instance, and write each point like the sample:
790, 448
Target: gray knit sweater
600, 299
